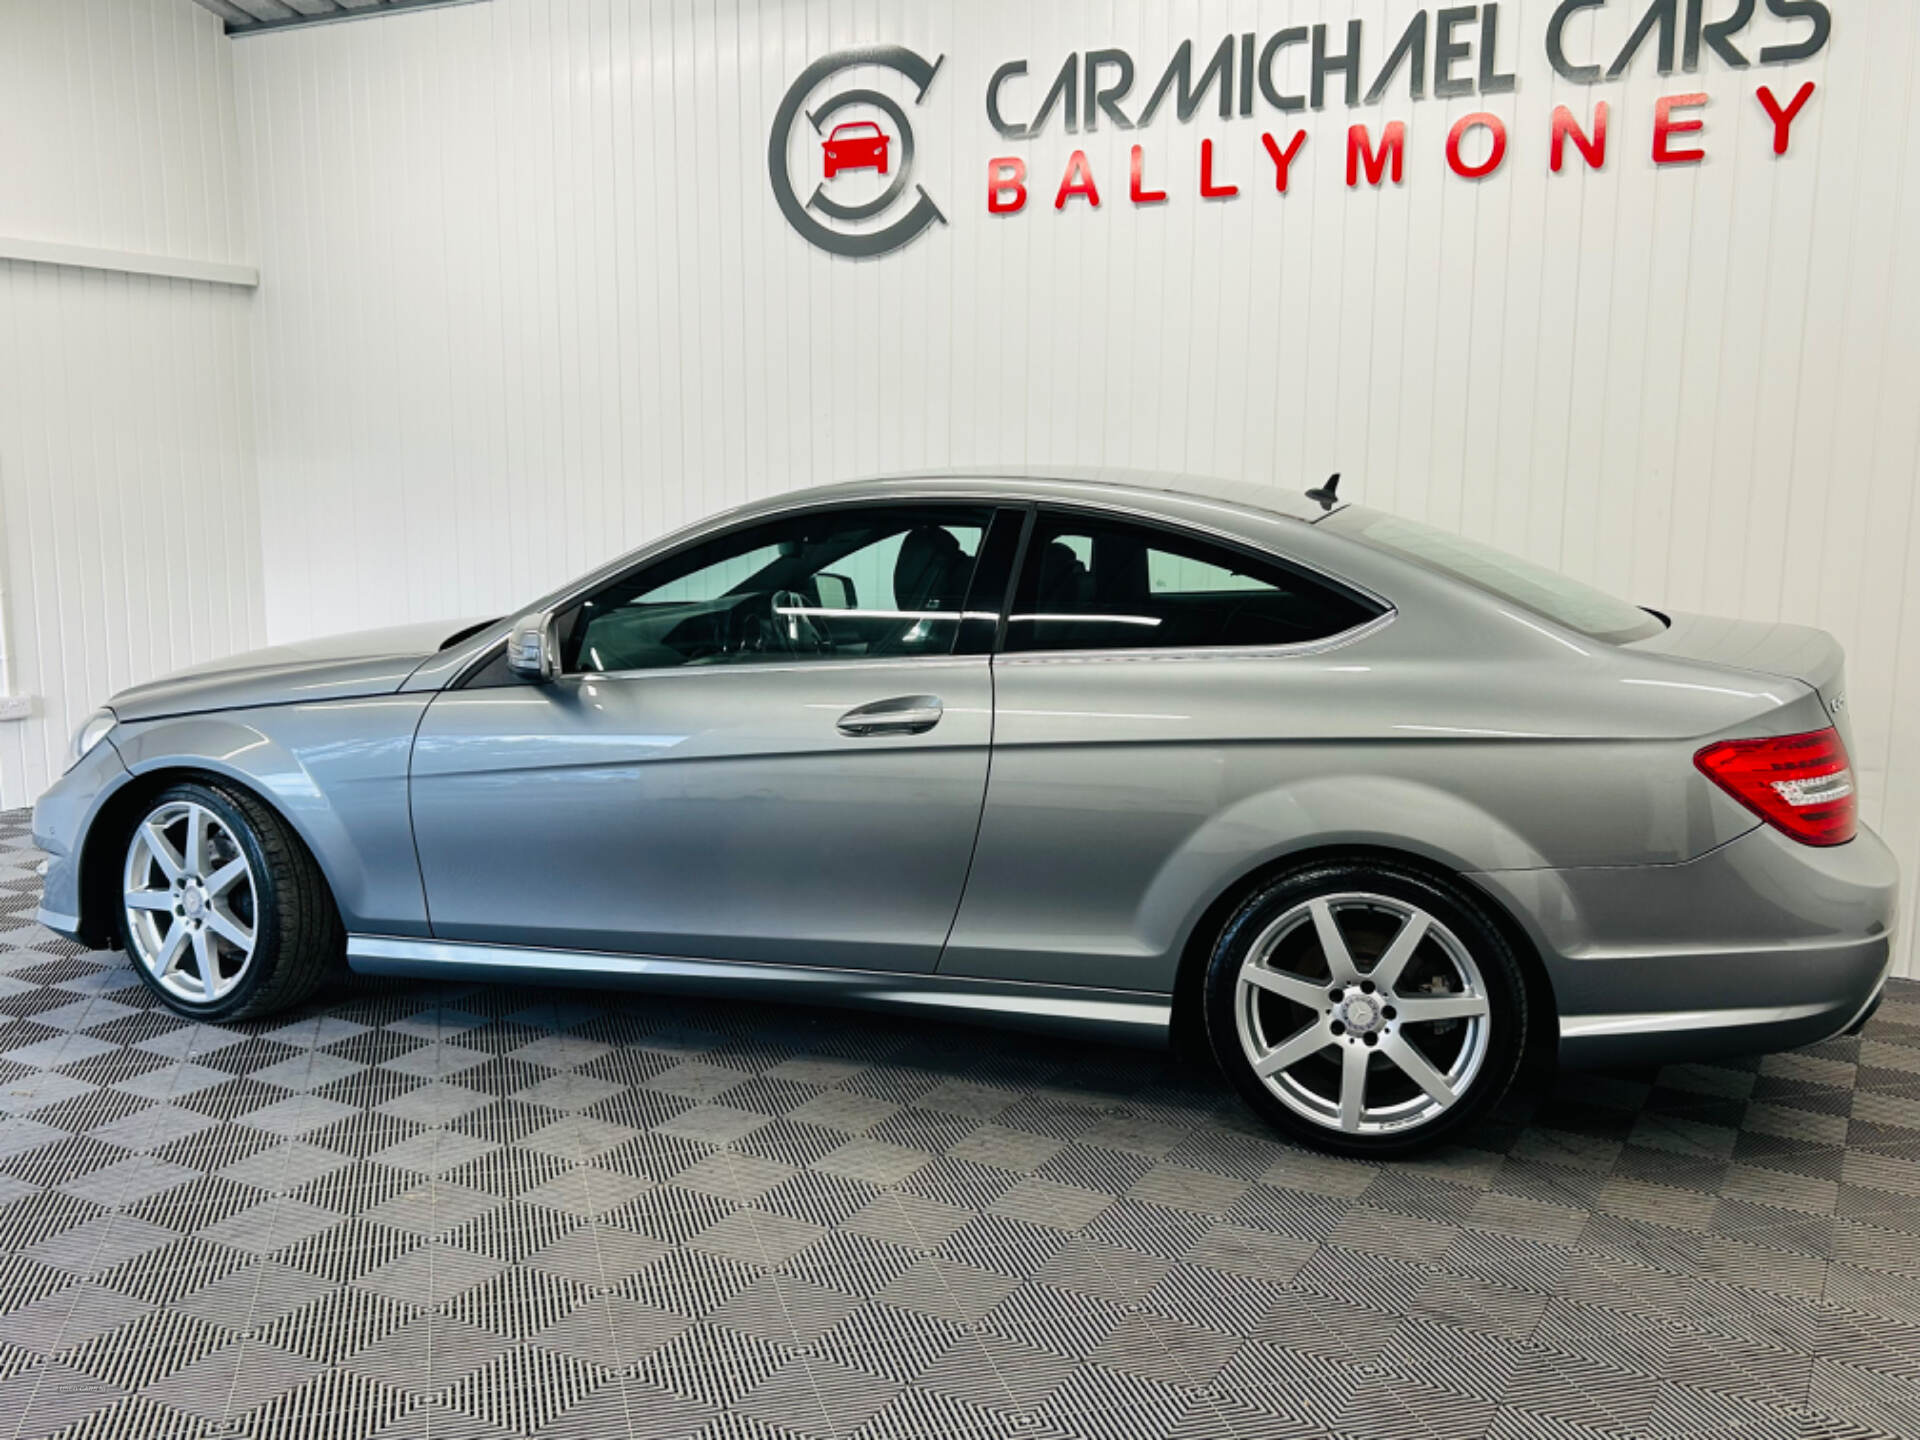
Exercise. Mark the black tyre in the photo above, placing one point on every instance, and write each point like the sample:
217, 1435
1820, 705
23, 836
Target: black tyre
223, 913
1364, 1008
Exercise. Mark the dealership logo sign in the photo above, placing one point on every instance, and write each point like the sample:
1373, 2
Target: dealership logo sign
851, 143
1280, 81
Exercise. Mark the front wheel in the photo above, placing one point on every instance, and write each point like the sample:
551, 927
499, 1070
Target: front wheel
1366, 1009
223, 912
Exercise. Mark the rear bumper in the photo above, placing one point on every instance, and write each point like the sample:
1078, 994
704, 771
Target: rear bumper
1760, 945
1845, 983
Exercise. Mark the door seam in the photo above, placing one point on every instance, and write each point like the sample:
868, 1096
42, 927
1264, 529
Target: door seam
413, 827
980, 820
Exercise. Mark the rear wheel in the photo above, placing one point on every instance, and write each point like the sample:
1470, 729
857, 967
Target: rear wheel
1366, 1009
223, 912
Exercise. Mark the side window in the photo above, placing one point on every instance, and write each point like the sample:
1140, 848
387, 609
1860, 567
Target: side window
827, 585
1096, 584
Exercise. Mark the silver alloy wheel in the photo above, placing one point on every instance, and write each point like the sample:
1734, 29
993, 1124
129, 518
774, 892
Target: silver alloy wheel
192, 907
1413, 1026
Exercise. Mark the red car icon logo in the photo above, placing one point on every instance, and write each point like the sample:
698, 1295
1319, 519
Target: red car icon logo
855, 145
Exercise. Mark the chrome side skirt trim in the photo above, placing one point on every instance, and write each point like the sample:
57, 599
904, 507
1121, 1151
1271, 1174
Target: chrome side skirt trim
1124, 1015
1661, 1022
54, 920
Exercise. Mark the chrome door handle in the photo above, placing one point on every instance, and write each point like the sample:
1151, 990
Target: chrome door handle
902, 715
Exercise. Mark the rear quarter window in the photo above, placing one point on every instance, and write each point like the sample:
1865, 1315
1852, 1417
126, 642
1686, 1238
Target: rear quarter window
1098, 583
1560, 598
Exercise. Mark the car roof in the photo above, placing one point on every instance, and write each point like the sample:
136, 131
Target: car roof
1271, 498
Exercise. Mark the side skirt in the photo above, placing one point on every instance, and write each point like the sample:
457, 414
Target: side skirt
1123, 1016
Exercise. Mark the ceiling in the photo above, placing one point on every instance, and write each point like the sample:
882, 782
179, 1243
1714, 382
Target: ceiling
246, 17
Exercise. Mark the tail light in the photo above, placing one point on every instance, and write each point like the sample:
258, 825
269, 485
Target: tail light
1801, 784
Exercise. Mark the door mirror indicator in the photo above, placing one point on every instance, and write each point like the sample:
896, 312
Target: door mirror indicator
533, 648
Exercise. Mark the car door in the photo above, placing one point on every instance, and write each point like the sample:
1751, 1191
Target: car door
769, 746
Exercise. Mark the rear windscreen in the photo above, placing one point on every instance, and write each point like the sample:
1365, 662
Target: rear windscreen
1546, 592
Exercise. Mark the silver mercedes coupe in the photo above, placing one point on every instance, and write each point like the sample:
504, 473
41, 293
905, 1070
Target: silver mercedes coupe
1370, 807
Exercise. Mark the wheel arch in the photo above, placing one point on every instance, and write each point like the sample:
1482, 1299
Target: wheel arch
1204, 933
101, 852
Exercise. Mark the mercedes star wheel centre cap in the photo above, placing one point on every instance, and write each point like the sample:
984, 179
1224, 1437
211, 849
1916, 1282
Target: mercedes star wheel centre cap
1361, 1013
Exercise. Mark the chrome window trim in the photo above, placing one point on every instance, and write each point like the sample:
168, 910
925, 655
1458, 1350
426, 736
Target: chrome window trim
813, 667
457, 664
864, 665
1305, 648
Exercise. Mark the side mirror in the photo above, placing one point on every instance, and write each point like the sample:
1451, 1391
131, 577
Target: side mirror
533, 648
836, 591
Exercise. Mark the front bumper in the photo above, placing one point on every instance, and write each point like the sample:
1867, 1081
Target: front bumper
61, 819
1762, 944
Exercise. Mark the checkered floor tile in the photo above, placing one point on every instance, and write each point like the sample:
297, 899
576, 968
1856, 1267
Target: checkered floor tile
418, 1211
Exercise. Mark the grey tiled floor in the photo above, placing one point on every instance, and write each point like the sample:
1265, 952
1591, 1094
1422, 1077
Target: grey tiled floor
413, 1211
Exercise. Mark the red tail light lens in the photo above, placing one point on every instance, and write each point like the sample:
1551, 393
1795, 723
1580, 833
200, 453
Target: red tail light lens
1801, 784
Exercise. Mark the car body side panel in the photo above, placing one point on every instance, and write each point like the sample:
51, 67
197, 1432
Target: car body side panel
336, 771
1061, 902
1202, 768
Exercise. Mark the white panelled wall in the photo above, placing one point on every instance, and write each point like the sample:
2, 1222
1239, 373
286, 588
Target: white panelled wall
129, 501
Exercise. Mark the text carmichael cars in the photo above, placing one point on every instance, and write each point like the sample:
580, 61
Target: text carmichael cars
1367, 805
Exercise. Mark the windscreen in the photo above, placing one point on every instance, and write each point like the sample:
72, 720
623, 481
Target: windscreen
1577, 606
